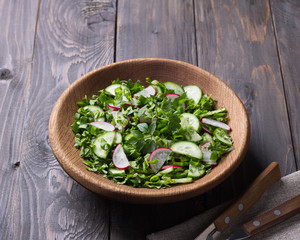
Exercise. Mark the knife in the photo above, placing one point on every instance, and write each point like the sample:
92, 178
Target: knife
270, 175
268, 219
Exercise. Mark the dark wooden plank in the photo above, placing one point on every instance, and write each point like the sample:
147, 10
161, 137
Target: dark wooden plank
153, 29
236, 42
18, 19
42, 202
286, 20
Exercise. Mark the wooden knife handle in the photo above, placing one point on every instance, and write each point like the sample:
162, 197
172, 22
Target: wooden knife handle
270, 175
274, 216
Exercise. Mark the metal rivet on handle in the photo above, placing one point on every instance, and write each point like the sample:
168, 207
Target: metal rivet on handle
227, 220
241, 207
277, 212
256, 223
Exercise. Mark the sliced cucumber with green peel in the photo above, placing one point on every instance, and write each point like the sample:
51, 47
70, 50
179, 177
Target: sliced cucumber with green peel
97, 111
111, 89
187, 148
181, 180
223, 136
117, 172
194, 137
103, 143
189, 119
193, 92
157, 89
118, 138
174, 86
195, 172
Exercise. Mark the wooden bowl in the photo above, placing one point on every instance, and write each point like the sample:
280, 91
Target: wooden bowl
62, 138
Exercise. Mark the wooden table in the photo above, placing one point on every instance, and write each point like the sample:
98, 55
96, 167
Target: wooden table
253, 46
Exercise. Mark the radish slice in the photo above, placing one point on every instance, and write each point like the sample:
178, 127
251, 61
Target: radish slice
205, 129
172, 96
207, 153
175, 166
103, 125
160, 154
115, 116
215, 123
147, 92
112, 107
119, 158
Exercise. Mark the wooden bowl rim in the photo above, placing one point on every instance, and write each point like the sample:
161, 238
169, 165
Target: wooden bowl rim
109, 189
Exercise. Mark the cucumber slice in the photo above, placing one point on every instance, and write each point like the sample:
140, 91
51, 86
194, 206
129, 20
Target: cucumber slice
195, 172
193, 92
157, 89
181, 180
223, 136
174, 86
97, 112
99, 144
187, 148
117, 172
194, 137
118, 138
188, 119
111, 89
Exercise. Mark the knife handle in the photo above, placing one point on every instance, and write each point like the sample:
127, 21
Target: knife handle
270, 175
274, 216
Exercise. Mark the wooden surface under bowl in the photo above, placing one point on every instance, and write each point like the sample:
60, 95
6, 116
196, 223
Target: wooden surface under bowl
62, 138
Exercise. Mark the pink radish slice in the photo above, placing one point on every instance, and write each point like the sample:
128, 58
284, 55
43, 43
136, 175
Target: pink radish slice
103, 125
147, 92
112, 107
173, 96
205, 129
215, 123
160, 154
175, 166
119, 158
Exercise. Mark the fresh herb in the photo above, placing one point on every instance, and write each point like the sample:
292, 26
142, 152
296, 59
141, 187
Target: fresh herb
145, 123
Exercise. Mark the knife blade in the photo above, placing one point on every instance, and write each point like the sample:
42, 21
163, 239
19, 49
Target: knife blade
270, 175
268, 219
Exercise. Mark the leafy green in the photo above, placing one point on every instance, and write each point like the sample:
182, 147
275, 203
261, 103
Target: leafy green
153, 123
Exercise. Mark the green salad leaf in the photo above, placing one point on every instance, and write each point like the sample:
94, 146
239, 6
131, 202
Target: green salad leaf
147, 126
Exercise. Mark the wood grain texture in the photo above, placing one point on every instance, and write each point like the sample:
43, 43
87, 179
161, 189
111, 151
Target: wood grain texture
156, 28
234, 40
17, 20
61, 135
236, 43
287, 27
43, 202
